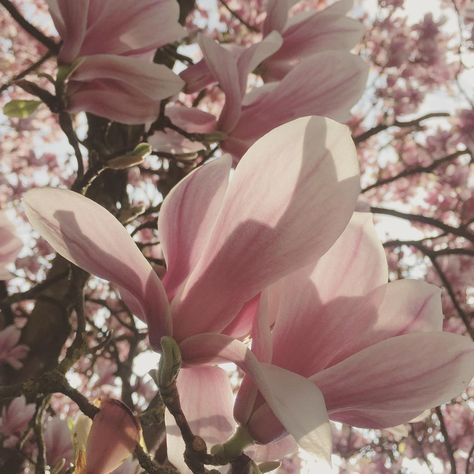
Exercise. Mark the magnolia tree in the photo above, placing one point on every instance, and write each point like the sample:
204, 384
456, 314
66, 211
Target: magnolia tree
236, 236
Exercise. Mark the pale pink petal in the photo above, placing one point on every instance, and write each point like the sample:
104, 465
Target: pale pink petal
259, 235
294, 400
113, 436
395, 380
187, 218
173, 142
255, 54
311, 336
223, 67
356, 246
197, 77
89, 236
304, 36
338, 79
10, 245
70, 19
241, 325
152, 80
277, 14
123, 89
117, 104
207, 400
121, 27
273, 451
190, 119
130, 26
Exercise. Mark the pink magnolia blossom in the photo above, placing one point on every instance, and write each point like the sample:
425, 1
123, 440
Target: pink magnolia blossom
58, 443
111, 46
10, 351
337, 79
10, 245
122, 27
343, 344
15, 419
357, 339
307, 33
113, 436
224, 241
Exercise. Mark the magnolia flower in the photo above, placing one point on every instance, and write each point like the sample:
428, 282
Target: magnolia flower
10, 245
10, 351
15, 419
306, 34
225, 239
58, 442
110, 47
374, 353
342, 343
113, 436
121, 27
328, 83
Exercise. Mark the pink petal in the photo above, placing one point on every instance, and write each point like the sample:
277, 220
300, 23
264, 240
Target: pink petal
116, 27
273, 451
255, 54
124, 89
131, 27
259, 235
187, 217
357, 245
114, 434
395, 380
338, 79
206, 400
295, 401
310, 335
304, 36
223, 67
152, 80
70, 19
190, 119
277, 14
89, 236
10, 245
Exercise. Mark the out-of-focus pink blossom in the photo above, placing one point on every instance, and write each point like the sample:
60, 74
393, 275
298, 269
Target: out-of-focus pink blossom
10, 245
58, 443
10, 351
15, 419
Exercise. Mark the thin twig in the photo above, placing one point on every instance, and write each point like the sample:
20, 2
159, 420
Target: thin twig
239, 18
30, 28
447, 444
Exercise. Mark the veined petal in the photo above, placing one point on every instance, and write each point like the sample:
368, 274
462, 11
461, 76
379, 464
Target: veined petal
395, 380
89, 236
206, 400
277, 14
338, 79
70, 19
294, 400
223, 66
187, 217
260, 235
152, 80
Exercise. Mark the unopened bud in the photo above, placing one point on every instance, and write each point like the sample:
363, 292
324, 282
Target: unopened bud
114, 435
134, 158
170, 362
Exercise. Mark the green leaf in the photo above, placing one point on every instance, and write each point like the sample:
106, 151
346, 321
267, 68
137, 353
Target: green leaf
21, 108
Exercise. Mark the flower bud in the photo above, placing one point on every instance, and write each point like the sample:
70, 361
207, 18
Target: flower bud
113, 436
